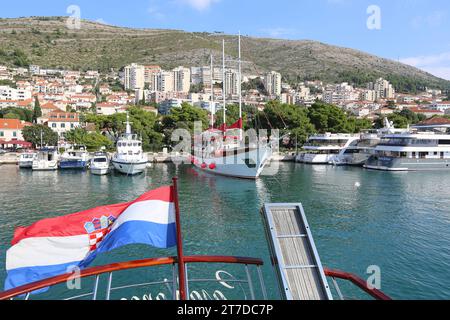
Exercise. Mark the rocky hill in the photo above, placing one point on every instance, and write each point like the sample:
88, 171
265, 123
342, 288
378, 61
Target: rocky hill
47, 41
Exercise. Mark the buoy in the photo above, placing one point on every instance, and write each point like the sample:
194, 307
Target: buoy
204, 165
212, 166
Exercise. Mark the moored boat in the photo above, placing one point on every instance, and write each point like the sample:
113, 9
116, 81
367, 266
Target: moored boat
326, 148
26, 160
76, 158
130, 158
225, 151
46, 159
100, 164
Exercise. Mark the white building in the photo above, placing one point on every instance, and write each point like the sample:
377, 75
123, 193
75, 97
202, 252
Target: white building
19, 94
272, 83
383, 89
62, 122
231, 83
182, 79
134, 77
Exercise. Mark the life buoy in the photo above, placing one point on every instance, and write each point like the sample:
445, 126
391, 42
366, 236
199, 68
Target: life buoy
204, 165
212, 166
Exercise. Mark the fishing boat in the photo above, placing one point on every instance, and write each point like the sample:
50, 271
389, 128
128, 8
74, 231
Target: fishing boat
100, 164
299, 272
327, 148
130, 158
46, 159
76, 158
226, 151
26, 160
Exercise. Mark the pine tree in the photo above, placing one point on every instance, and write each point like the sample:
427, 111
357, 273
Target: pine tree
37, 112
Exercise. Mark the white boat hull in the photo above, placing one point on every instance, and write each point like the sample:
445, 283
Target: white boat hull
130, 168
99, 171
311, 158
245, 165
45, 165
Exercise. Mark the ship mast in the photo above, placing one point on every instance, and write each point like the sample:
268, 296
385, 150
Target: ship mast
128, 130
223, 86
240, 86
212, 107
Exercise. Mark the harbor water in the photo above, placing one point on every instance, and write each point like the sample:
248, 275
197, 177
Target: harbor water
399, 222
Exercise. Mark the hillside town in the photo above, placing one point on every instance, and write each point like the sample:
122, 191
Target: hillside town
63, 95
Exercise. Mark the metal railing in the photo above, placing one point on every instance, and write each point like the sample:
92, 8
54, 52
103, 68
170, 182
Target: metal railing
358, 282
26, 290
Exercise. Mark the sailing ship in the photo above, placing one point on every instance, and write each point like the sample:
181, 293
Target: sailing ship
130, 158
224, 150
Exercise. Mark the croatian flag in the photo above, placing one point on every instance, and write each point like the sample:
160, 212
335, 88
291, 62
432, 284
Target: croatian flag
52, 247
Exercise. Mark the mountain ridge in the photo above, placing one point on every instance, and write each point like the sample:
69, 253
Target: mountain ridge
46, 41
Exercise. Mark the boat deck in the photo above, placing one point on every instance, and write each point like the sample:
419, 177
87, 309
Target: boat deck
298, 266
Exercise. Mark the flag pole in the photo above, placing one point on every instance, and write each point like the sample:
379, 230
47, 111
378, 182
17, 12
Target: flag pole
181, 266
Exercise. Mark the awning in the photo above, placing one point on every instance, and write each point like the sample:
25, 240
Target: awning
23, 144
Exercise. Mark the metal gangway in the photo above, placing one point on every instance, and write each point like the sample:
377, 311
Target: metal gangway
301, 275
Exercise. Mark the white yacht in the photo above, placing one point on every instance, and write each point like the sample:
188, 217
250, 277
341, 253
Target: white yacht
421, 148
46, 160
326, 148
26, 160
361, 150
99, 164
130, 158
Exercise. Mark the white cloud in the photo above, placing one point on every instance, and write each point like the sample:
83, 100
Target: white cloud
279, 32
434, 19
199, 5
438, 64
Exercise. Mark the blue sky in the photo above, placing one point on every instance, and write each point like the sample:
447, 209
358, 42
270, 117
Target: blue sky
414, 31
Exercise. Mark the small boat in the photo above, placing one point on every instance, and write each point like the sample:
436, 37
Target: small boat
26, 160
74, 159
99, 164
46, 160
130, 158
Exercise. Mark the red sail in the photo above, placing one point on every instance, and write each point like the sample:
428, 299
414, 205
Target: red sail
237, 125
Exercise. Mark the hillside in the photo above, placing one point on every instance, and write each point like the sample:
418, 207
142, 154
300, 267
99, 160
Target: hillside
47, 42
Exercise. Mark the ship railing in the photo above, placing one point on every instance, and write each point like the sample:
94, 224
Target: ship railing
25, 292
335, 275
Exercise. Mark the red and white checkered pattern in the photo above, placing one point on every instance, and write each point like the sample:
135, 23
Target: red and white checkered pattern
96, 238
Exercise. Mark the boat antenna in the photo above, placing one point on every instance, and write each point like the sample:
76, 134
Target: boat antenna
223, 82
42, 140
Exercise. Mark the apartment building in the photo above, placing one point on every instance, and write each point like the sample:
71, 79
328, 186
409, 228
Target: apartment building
134, 77
272, 83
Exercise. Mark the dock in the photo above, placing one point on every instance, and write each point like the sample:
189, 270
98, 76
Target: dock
294, 254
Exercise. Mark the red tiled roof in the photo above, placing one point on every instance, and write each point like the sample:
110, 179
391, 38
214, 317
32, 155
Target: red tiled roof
434, 121
13, 124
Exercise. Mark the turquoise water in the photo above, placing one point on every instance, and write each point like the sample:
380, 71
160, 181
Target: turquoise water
397, 221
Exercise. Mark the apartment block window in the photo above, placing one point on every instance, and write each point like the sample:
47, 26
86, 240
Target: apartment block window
63, 125
53, 125
2, 134
14, 134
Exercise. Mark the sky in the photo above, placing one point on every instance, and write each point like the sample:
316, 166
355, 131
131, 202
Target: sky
415, 32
